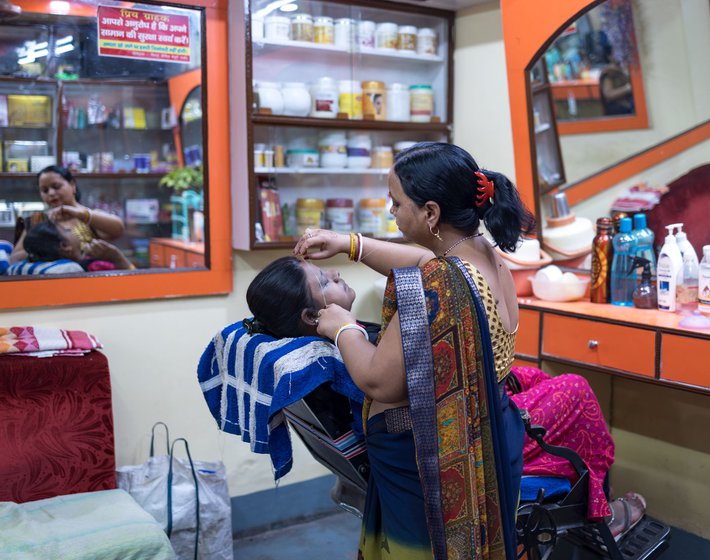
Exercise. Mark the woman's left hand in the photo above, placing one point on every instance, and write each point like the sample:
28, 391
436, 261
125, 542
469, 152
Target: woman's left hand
331, 318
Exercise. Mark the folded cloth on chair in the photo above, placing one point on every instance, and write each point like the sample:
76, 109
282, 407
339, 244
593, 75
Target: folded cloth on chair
45, 341
247, 380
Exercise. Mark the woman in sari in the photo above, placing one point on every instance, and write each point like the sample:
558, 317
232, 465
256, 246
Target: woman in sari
285, 298
444, 440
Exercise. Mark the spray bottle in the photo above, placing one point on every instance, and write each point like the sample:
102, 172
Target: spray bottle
645, 295
688, 289
669, 272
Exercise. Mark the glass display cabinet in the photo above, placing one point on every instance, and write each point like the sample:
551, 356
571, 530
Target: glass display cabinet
335, 91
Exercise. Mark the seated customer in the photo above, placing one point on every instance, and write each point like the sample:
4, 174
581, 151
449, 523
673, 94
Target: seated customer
53, 250
287, 294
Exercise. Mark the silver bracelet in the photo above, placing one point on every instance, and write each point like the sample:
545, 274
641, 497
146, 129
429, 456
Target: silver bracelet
349, 326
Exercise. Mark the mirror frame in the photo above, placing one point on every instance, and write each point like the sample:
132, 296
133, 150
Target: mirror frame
139, 285
528, 30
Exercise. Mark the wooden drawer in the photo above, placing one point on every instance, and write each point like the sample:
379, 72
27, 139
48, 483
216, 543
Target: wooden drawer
527, 340
194, 260
685, 359
600, 344
157, 255
174, 258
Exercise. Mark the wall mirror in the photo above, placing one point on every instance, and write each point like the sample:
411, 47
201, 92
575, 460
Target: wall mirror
114, 93
671, 39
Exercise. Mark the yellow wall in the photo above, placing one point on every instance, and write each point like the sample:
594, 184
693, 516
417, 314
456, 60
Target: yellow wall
153, 346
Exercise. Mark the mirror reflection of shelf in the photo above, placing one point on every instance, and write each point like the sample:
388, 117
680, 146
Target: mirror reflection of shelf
319, 171
267, 45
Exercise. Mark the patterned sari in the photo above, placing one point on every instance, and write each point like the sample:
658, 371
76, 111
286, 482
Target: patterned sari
467, 436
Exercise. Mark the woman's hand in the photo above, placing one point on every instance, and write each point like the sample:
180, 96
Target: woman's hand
321, 243
105, 251
331, 318
67, 212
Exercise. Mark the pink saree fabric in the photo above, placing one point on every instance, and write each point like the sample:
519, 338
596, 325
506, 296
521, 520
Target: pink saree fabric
567, 407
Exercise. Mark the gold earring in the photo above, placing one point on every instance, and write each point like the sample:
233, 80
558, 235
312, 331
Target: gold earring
435, 233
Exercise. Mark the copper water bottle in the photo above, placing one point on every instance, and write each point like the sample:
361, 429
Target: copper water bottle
602, 253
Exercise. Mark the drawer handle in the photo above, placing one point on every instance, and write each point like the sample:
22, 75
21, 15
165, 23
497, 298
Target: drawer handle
593, 344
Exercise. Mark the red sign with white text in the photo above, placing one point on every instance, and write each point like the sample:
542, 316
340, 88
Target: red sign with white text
131, 33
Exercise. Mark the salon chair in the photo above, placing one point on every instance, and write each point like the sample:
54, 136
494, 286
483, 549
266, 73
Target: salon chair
323, 420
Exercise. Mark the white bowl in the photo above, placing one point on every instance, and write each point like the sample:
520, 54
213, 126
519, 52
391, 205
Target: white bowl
561, 290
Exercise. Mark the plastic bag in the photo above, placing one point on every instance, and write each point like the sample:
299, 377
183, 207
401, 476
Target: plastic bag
171, 494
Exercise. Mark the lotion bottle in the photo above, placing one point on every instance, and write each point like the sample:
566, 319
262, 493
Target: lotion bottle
669, 272
688, 289
704, 282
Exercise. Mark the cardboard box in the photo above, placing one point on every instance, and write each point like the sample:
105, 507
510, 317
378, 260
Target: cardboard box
17, 165
32, 111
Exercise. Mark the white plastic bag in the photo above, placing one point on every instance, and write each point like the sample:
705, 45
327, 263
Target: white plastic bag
170, 496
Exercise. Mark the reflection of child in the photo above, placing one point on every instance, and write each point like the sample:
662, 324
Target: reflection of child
378, 104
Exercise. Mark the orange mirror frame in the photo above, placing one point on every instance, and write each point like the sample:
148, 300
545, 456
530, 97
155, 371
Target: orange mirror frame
217, 279
528, 27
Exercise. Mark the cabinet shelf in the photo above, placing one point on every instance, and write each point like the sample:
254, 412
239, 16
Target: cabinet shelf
543, 128
318, 171
17, 128
100, 129
267, 45
311, 122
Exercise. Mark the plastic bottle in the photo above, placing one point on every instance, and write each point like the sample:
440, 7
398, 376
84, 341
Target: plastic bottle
645, 295
644, 241
688, 288
704, 282
623, 274
669, 272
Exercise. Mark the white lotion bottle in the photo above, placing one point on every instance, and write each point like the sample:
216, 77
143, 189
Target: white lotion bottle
669, 272
688, 289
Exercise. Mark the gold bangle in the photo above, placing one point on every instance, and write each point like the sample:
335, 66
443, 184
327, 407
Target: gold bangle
87, 215
352, 254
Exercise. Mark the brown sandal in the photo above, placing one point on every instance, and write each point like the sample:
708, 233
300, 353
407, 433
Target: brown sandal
633, 508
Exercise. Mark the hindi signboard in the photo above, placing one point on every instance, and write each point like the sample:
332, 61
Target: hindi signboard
131, 33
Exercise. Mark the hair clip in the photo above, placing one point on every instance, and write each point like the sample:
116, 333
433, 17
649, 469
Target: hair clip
248, 324
485, 189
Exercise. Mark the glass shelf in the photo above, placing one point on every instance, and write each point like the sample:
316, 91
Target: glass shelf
318, 171
267, 45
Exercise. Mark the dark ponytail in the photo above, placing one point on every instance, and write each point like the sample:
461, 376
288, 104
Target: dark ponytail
446, 174
506, 218
277, 296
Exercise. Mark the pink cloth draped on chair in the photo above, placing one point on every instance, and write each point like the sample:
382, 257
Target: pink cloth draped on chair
568, 409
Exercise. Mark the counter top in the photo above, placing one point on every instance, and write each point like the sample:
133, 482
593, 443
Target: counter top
640, 318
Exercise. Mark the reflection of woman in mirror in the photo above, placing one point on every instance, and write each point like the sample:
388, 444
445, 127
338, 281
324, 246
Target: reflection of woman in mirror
53, 249
58, 190
615, 87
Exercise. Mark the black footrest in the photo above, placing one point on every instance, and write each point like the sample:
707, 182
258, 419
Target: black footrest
643, 542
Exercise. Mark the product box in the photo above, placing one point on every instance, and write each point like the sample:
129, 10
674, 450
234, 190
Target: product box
142, 210
3, 111
134, 117
33, 111
38, 163
17, 165
25, 149
271, 213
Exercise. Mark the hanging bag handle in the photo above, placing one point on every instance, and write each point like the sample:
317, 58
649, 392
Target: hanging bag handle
167, 437
170, 491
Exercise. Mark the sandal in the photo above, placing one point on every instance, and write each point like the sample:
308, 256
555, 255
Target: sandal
626, 512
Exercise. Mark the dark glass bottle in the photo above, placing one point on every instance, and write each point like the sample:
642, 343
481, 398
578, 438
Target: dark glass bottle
602, 253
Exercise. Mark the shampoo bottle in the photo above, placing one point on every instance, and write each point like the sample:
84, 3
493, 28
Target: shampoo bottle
704, 282
644, 241
670, 272
623, 273
688, 289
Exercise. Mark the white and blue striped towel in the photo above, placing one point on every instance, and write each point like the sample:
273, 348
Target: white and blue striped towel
247, 380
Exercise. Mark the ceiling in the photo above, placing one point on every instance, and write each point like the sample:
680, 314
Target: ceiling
454, 5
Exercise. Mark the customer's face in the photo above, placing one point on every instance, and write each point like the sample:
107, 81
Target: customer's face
55, 190
327, 286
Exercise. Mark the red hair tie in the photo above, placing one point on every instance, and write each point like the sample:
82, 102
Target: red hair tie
485, 189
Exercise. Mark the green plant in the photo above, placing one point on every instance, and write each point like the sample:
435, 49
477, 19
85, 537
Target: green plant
183, 178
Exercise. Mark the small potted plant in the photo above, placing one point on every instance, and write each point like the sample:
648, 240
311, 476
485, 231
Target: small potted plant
183, 178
